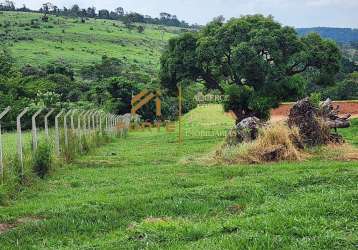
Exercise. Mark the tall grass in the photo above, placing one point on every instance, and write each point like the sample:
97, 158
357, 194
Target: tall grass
40, 162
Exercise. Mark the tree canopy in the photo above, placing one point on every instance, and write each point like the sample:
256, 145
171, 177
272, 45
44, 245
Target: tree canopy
254, 59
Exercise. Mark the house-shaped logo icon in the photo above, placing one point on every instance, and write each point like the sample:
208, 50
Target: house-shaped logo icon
145, 97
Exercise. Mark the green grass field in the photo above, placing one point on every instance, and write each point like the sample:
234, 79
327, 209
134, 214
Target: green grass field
136, 194
81, 44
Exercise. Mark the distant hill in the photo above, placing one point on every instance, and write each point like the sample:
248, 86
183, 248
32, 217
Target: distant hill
39, 43
340, 35
80, 44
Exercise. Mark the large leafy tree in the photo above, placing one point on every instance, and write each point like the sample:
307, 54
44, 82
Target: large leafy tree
254, 59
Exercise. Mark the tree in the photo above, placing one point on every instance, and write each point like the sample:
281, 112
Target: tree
344, 90
165, 15
113, 15
119, 11
109, 67
120, 91
91, 12
128, 21
22, 9
7, 6
60, 67
83, 15
55, 10
103, 14
46, 8
254, 59
6, 62
140, 28
75, 10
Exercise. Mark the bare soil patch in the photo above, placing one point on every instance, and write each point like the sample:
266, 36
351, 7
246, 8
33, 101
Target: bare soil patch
346, 107
5, 227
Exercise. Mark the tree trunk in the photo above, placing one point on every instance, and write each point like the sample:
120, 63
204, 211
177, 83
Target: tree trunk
211, 82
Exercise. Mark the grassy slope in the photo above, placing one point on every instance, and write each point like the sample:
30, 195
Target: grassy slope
135, 193
79, 45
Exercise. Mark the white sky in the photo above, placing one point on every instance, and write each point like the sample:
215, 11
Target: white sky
298, 13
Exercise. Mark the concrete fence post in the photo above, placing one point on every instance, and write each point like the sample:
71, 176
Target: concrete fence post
80, 132
100, 120
79, 125
46, 123
94, 120
107, 128
72, 120
89, 115
115, 125
112, 123
122, 125
19, 139
85, 122
2, 114
65, 126
98, 116
34, 129
57, 133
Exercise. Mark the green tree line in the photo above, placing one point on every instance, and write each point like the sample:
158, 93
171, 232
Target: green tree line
91, 12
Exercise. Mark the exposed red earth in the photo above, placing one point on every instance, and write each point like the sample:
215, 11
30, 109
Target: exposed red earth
346, 107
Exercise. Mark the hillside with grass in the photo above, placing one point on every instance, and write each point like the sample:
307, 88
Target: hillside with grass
68, 62
38, 43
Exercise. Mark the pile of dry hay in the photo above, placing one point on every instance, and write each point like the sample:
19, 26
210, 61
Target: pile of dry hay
276, 142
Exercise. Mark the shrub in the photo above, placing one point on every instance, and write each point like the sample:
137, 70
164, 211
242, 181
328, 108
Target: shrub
42, 160
3, 194
45, 19
140, 29
315, 99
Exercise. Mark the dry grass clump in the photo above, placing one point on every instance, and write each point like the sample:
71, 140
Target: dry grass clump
276, 142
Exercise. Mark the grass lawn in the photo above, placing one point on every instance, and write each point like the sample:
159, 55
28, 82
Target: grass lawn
136, 193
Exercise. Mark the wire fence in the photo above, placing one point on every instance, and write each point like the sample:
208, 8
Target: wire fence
74, 132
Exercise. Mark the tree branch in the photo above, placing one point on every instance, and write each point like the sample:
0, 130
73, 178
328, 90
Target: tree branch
292, 72
211, 82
